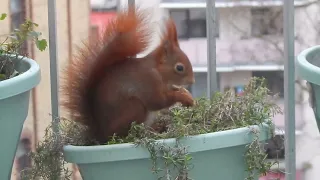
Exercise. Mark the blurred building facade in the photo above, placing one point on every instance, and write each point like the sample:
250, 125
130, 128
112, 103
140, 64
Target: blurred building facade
248, 33
249, 42
73, 26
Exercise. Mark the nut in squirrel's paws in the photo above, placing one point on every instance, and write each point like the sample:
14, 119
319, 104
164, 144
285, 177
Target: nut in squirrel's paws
179, 88
176, 87
188, 102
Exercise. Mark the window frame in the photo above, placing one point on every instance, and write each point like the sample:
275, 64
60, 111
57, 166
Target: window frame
265, 13
266, 75
187, 14
17, 18
187, 35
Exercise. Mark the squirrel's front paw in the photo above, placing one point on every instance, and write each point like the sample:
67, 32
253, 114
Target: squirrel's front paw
187, 101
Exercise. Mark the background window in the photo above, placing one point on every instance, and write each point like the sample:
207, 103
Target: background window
199, 88
275, 82
275, 147
191, 23
23, 159
18, 16
180, 17
265, 21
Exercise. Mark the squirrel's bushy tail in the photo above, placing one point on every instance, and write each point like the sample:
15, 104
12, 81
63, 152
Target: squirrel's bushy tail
126, 35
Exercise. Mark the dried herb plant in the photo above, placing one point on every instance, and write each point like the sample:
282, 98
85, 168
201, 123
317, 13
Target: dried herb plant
49, 151
224, 111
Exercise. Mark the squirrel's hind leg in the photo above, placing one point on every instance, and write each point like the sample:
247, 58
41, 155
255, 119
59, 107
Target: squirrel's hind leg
120, 119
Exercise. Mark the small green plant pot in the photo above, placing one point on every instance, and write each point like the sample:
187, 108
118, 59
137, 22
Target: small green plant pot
218, 155
14, 104
308, 68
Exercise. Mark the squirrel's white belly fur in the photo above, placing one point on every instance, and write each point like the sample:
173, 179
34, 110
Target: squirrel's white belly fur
151, 117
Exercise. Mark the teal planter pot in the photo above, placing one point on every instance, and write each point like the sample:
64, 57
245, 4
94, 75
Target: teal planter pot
14, 104
218, 155
308, 68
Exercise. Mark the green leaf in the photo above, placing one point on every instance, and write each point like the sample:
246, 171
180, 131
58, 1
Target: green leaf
35, 24
34, 34
41, 44
3, 16
2, 77
13, 37
188, 157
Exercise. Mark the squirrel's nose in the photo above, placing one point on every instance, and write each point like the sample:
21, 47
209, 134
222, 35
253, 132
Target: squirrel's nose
191, 81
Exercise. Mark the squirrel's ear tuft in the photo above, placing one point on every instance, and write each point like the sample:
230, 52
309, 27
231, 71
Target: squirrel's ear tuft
168, 41
172, 32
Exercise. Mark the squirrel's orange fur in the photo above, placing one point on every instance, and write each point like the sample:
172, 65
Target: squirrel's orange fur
108, 88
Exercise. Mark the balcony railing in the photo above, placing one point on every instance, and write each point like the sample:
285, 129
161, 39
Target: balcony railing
181, 4
289, 67
101, 4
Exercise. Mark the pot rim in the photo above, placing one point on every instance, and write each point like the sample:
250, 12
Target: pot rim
197, 143
23, 82
305, 69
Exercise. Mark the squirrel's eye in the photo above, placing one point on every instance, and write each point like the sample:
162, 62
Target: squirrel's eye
179, 67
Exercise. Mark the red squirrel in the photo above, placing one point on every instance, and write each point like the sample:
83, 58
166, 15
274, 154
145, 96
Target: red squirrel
108, 88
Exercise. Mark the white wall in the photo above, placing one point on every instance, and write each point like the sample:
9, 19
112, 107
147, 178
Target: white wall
234, 22
307, 24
